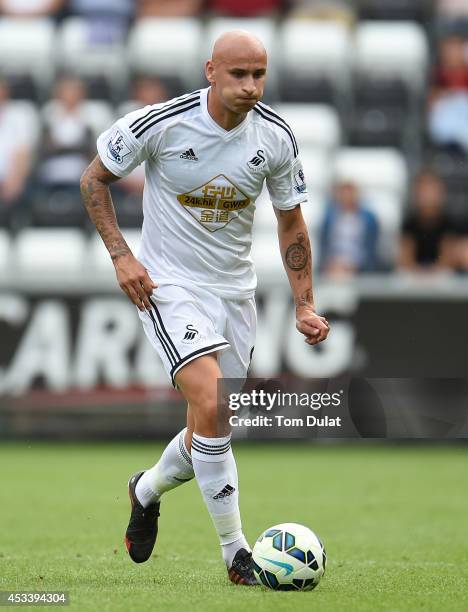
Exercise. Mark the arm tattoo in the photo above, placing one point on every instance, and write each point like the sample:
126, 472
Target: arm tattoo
297, 256
98, 202
305, 299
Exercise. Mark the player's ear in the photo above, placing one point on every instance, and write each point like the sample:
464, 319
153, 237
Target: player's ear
209, 71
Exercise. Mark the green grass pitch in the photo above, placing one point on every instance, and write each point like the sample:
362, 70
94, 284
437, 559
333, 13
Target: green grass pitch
394, 520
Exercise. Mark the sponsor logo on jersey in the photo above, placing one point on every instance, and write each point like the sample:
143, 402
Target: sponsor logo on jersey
192, 335
215, 203
258, 161
117, 148
189, 154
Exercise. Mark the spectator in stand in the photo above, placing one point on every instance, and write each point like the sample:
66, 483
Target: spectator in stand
452, 16
326, 10
245, 8
108, 20
30, 8
146, 90
67, 140
349, 235
428, 239
18, 137
448, 100
169, 8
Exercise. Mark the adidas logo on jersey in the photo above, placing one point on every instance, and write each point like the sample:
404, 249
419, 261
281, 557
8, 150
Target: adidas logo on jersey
189, 154
226, 492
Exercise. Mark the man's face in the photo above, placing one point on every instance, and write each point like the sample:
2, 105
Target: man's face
429, 196
239, 82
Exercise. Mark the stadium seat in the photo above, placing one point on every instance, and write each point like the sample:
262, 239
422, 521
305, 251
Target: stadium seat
27, 48
373, 169
314, 125
388, 209
312, 51
98, 115
167, 47
377, 127
128, 207
57, 207
266, 256
265, 218
317, 168
414, 10
97, 255
396, 49
77, 54
47, 250
5, 250
380, 92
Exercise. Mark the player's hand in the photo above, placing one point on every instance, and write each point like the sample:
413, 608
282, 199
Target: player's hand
314, 327
134, 280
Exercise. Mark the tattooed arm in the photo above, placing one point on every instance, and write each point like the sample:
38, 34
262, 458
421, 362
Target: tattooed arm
131, 275
297, 259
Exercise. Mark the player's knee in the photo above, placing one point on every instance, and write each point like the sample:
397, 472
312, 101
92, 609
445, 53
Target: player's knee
209, 416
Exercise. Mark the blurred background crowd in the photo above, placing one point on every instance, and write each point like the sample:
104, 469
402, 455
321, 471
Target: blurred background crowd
376, 91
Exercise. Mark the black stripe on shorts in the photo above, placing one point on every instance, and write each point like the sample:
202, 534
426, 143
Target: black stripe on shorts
205, 350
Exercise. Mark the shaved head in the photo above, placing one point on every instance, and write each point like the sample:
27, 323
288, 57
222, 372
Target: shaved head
237, 73
238, 44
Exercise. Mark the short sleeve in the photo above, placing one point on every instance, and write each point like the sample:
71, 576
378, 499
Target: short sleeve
120, 151
286, 182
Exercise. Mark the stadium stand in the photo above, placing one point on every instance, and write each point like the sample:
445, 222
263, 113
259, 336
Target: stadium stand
97, 255
314, 62
351, 78
169, 8
48, 250
315, 125
102, 63
167, 48
27, 54
5, 250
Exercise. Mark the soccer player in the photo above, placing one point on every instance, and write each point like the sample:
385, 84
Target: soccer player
207, 155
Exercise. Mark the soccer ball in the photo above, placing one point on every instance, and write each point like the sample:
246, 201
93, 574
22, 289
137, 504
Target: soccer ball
289, 557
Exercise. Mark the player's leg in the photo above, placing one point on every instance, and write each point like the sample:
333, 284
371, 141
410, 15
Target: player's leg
166, 328
173, 468
213, 463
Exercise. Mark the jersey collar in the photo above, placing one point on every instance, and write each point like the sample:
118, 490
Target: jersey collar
226, 134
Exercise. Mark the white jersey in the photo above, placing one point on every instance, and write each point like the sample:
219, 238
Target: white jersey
201, 183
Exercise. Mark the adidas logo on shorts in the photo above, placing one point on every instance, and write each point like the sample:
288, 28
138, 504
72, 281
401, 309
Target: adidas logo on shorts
189, 154
228, 490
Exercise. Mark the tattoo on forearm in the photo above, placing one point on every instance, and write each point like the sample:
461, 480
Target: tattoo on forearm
297, 254
305, 299
98, 202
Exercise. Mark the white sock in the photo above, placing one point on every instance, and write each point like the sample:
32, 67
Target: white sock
216, 473
173, 469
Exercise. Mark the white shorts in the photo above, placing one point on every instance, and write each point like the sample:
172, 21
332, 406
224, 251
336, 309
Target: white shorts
188, 323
